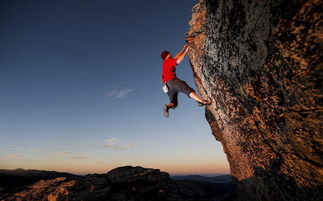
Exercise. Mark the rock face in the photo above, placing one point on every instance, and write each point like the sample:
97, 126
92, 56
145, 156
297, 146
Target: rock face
122, 184
50, 190
261, 64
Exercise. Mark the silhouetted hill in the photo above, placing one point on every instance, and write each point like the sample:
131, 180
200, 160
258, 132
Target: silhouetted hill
10, 180
214, 179
120, 184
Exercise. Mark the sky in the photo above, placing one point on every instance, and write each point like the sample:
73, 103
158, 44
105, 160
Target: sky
81, 91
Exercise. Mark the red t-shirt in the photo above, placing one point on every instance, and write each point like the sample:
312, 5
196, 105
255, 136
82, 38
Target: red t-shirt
169, 69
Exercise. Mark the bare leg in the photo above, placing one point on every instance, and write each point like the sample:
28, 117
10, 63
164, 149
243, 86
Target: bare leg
196, 97
200, 100
170, 105
167, 107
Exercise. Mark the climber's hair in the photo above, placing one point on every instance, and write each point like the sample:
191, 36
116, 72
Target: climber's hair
164, 54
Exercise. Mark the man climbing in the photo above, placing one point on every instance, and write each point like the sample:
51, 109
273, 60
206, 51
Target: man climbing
175, 85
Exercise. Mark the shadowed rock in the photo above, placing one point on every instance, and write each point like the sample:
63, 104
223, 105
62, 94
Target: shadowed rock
123, 184
261, 64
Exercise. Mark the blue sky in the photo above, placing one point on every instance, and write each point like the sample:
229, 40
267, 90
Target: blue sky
80, 88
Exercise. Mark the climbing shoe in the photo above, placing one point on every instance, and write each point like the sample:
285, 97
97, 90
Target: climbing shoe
165, 111
205, 103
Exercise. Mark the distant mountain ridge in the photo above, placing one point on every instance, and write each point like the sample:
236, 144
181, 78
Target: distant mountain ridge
37, 173
24, 172
215, 179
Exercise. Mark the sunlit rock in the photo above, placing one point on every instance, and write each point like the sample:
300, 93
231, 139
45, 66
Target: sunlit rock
261, 64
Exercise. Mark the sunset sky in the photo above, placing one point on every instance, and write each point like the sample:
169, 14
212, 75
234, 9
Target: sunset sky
80, 88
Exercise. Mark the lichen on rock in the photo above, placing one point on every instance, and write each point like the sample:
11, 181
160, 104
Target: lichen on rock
261, 64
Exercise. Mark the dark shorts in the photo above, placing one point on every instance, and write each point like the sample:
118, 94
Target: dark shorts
176, 85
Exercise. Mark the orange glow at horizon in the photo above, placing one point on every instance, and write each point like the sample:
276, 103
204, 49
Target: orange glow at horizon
99, 167
183, 169
171, 170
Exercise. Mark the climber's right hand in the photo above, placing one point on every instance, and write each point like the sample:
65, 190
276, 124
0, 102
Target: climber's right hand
189, 40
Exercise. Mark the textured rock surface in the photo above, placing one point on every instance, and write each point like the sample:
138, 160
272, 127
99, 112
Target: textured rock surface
123, 184
261, 63
50, 190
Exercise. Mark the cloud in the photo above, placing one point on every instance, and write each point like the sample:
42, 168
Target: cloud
14, 156
118, 93
20, 157
128, 146
62, 153
112, 141
115, 143
79, 157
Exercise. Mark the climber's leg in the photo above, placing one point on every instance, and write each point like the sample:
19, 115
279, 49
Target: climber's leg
173, 102
200, 100
183, 87
196, 97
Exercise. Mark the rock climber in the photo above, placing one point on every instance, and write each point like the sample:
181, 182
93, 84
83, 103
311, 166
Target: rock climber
173, 85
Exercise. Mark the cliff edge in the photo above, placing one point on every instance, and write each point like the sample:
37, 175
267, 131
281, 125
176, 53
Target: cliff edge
261, 64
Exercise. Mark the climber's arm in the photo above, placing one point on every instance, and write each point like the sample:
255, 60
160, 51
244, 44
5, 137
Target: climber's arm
181, 52
181, 56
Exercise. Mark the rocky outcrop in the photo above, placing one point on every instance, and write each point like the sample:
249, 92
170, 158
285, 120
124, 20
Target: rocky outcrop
122, 184
51, 190
261, 64
11, 179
